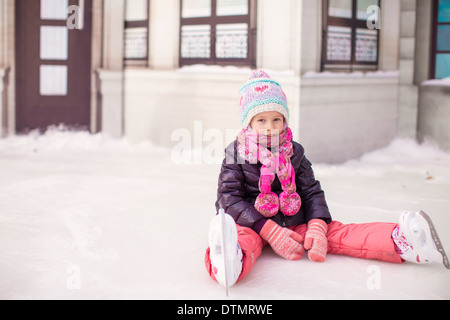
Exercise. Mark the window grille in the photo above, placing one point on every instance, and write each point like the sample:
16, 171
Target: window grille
221, 32
348, 43
136, 32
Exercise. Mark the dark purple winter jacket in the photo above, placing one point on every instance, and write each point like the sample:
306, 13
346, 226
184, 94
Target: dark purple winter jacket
238, 190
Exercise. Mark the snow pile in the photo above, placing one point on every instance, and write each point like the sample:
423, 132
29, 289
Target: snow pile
60, 138
353, 74
232, 70
401, 151
437, 82
87, 217
202, 68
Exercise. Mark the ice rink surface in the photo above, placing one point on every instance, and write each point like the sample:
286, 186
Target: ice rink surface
86, 217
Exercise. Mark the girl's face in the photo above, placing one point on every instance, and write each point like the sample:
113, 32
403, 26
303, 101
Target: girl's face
266, 123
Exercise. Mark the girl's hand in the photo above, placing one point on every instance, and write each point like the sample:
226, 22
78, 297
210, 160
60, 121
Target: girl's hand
316, 240
286, 243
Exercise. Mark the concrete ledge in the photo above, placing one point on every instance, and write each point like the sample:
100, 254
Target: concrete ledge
434, 113
157, 102
111, 91
345, 79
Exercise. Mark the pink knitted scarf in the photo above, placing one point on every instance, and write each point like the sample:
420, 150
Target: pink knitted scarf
253, 148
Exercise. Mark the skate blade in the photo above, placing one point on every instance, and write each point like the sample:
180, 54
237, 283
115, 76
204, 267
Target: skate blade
224, 244
221, 244
436, 239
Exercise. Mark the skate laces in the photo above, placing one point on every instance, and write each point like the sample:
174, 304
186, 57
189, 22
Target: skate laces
402, 245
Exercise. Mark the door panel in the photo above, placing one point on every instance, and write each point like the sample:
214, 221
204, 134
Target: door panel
53, 65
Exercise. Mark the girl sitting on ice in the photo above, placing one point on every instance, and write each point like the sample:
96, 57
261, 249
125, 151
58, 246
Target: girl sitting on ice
270, 195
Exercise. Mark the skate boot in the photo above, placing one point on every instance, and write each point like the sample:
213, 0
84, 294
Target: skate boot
225, 252
418, 241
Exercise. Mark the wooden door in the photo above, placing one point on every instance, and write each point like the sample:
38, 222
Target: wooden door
53, 64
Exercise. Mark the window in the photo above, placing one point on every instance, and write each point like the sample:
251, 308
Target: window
440, 51
136, 32
348, 43
219, 32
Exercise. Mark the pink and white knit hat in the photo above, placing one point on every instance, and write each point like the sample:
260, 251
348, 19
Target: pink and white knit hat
261, 94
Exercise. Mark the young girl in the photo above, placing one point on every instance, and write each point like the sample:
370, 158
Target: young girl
268, 190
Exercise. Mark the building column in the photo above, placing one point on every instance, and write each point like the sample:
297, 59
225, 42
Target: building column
110, 76
279, 49
408, 91
111, 90
5, 70
163, 45
3, 100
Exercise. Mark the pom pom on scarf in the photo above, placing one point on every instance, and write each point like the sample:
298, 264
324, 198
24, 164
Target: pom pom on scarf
267, 204
290, 203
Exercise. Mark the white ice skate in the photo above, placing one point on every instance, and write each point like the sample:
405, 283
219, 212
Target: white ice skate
419, 232
225, 252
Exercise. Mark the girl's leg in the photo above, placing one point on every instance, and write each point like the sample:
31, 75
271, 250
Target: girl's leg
251, 245
367, 241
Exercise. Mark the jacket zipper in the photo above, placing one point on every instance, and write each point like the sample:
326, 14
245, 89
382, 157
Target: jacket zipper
283, 221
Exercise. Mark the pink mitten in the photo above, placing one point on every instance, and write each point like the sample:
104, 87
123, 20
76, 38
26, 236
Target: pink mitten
316, 240
286, 243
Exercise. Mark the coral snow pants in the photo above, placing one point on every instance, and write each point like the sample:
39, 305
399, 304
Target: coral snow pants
366, 241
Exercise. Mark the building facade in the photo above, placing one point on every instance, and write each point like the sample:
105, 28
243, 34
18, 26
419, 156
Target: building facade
357, 73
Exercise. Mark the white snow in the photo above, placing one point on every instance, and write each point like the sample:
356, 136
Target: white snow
87, 217
212, 69
349, 75
437, 82
230, 70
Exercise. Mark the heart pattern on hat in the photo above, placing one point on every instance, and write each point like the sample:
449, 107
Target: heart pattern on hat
262, 89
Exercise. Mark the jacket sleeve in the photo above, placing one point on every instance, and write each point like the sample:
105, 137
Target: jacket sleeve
231, 194
314, 204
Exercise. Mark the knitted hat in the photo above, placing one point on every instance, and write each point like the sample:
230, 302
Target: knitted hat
261, 94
